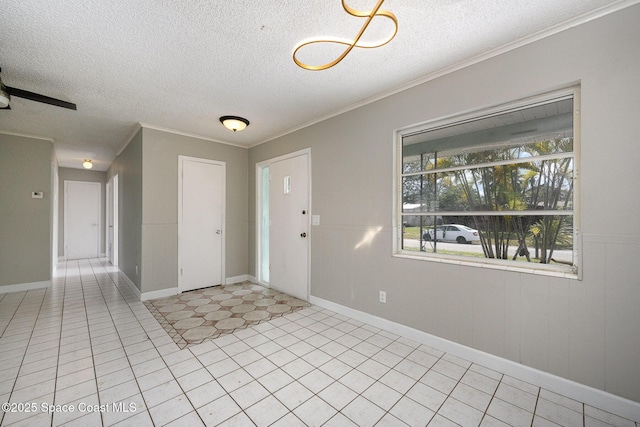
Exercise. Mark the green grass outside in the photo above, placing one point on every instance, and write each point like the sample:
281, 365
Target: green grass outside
471, 254
414, 233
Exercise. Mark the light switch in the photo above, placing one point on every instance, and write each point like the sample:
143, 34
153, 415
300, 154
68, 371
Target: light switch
315, 219
37, 194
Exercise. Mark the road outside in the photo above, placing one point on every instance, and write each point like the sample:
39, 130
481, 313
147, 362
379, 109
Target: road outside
476, 248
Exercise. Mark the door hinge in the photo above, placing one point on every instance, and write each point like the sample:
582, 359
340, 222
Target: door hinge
182, 272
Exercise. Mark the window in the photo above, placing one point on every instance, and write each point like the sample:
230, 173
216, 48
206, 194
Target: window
496, 187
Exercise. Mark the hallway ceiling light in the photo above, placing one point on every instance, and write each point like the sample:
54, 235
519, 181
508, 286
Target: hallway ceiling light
87, 164
234, 123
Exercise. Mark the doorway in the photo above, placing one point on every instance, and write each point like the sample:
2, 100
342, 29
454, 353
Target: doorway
284, 203
201, 209
81, 219
112, 220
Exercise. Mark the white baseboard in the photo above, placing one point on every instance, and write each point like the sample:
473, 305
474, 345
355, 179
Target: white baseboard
63, 258
21, 287
144, 296
580, 392
236, 279
162, 293
132, 285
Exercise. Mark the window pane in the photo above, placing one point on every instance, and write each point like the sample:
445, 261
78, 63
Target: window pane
413, 228
526, 132
537, 185
417, 193
450, 191
539, 239
418, 162
512, 150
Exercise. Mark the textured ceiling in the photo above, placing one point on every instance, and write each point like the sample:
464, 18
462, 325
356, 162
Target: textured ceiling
181, 64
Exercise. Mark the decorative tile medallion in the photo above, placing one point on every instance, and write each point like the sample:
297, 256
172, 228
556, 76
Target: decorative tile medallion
204, 314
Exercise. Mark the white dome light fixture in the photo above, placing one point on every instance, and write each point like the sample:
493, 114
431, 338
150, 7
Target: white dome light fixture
234, 123
87, 164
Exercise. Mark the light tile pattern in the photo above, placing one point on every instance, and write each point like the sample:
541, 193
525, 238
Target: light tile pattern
87, 343
204, 314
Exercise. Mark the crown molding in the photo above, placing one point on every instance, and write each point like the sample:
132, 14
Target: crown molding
190, 135
24, 135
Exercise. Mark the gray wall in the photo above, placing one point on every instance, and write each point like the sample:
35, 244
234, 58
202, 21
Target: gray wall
128, 167
160, 204
69, 174
25, 223
588, 330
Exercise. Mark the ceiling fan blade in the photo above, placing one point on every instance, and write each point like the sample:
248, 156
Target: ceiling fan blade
40, 98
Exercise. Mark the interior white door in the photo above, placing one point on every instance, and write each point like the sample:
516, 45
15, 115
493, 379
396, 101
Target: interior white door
82, 219
200, 223
109, 229
113, 222
289, 231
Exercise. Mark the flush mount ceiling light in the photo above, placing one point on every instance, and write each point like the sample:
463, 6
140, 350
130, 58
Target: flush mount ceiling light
369, 14
234, 123
87, 164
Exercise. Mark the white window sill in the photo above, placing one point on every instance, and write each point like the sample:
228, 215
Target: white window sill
563, 272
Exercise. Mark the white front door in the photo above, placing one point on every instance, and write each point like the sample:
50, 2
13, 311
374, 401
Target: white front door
289, 231
200, 223
81, 219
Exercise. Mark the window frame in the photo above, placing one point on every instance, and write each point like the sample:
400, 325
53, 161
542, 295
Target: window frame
574, 271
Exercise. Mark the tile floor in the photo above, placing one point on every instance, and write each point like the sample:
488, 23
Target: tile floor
87, 344
203, 314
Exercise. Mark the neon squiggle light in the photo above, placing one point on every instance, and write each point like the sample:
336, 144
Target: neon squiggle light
376, 11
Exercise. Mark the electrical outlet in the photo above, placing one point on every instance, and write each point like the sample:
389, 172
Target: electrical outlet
383, 297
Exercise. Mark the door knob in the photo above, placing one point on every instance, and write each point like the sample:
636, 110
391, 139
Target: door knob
303, 234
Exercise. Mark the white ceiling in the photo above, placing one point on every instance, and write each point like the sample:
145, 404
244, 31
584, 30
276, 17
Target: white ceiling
181, 64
